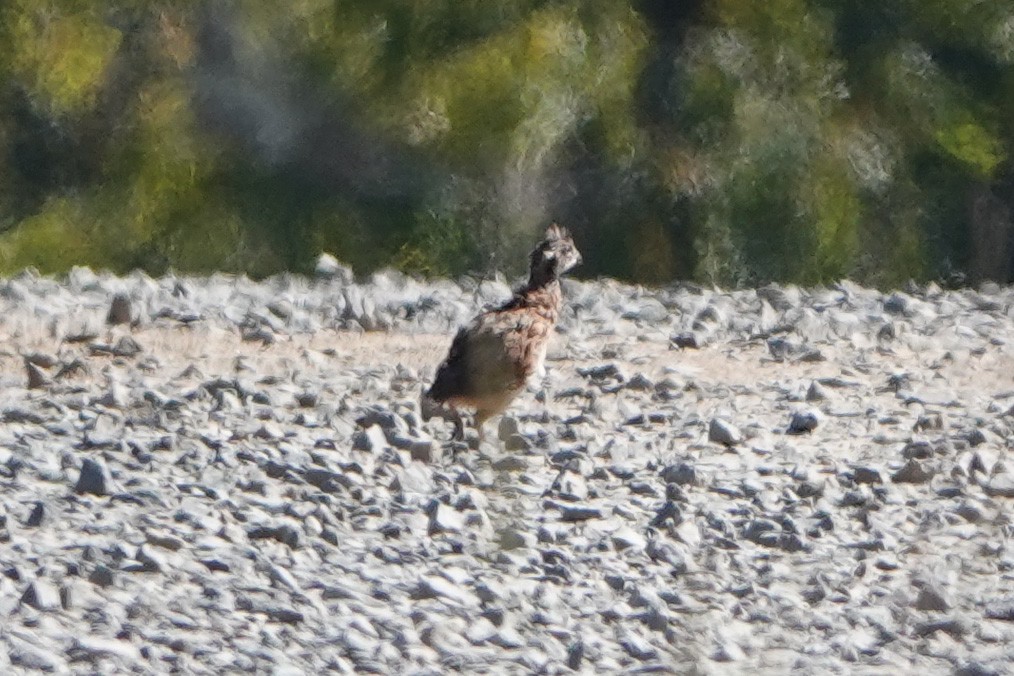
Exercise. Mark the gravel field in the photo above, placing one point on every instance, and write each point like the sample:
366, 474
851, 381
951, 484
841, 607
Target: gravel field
213, 475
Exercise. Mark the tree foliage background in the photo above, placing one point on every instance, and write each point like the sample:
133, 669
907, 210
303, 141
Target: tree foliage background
730, 141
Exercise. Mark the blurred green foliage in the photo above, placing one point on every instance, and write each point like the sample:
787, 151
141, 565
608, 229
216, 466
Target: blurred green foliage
726, 141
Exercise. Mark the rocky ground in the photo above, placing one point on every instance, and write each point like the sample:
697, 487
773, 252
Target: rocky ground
214, 475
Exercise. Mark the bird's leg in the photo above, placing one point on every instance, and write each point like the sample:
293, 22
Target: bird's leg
480, 419
545, 394
459, 441
459, 427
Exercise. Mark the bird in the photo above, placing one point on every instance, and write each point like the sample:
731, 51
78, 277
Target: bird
493, 357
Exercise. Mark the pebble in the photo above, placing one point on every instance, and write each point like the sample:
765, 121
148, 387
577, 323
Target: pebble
817, 392
42, 595
120, 310
1000, 609
913, 472
94, 478
723, 432
626, 537
579, 512
867, 475
508, 428
37, 378
512, 538
688, 340
681, 474
1001, 485
443, 518
804, 421
932, 597
433, 586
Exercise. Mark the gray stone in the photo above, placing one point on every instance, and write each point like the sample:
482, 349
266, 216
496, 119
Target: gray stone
649, 310
37, 378
867, 475
759, 531
94, 478
1001, 485
816, 392
977, 669
507, 427
579, 512
151, 561
443, 518
954, 626
512, 538
120, 310
281, 308
728, 651
480, 631
913, 472
932, 597
688, 340
508, 638
371, 439
328, 267
37, 515
41, 359
92, 649
102, 576
1000, 609
518, 443
723, 432
287, 534
929, 422
898, 303
573, 487
434, 586
126, 346
42, 595
575, 655
510, 463
665, 552
627, 538
804, 421
681, 474
636, 646
919, 450
307, 399
640, 383
35, 659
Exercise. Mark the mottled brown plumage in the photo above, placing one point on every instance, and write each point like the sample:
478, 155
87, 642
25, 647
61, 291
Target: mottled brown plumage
491, 359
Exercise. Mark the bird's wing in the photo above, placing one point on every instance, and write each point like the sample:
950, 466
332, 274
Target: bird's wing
493, 355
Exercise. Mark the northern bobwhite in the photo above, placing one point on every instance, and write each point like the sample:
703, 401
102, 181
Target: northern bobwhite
491, 359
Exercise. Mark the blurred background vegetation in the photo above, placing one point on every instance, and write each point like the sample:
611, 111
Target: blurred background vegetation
728, 141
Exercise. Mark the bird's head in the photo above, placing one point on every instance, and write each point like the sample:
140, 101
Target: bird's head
554, 255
